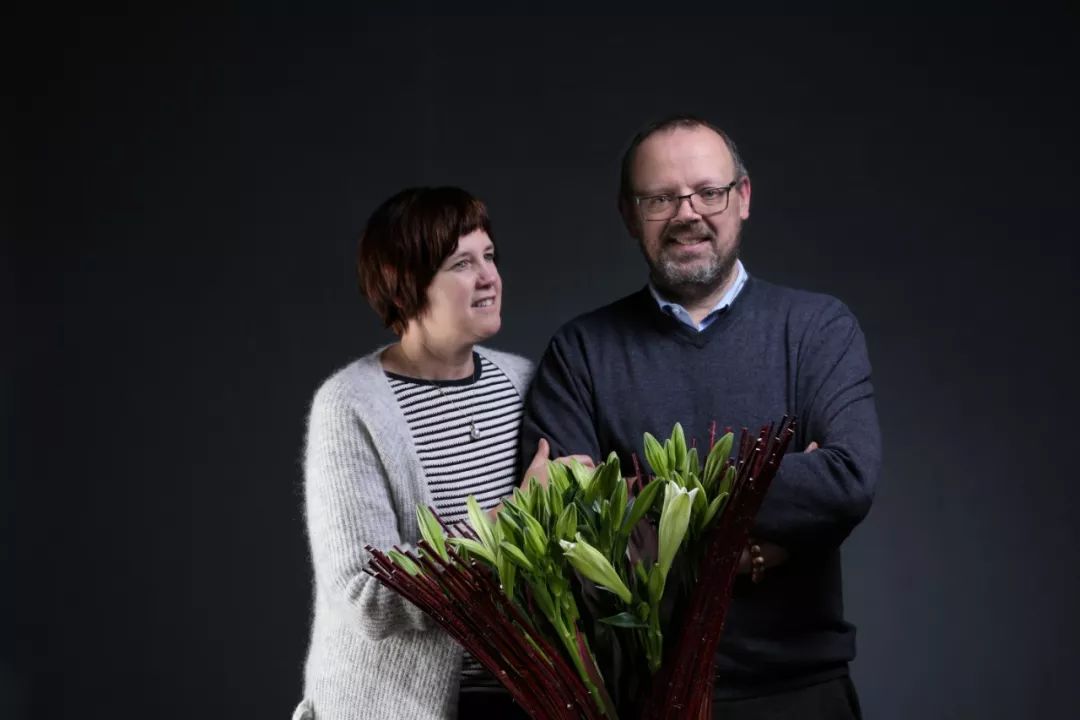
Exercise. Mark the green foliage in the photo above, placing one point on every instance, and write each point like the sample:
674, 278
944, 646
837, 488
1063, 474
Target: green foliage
554, 545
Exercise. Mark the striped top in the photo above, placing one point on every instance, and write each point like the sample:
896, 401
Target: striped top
459, 461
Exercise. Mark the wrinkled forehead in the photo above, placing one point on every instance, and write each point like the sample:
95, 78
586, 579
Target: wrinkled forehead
682, 156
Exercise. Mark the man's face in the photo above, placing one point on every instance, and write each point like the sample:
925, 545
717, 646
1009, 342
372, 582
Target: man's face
691, 255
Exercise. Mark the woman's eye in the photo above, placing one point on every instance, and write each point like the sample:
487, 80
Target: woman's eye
460, 265
489, 257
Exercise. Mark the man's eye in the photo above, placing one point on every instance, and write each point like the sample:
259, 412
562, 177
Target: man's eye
658, 201
709, 193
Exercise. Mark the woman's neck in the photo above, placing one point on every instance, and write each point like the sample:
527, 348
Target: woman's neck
424, 359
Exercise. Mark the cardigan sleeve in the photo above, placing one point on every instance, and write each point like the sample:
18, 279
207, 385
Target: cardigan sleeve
817, 498
348, 505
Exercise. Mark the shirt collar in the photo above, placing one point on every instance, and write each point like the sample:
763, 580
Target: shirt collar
682, 315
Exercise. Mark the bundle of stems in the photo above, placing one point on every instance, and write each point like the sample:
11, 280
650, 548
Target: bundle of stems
597, 595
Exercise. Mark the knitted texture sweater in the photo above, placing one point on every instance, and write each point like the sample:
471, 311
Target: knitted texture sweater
609, 376
372, 654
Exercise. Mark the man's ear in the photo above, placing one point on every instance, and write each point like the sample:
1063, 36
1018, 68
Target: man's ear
743, 188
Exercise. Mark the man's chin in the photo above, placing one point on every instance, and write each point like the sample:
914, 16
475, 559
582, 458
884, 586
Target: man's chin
688, 282
690, 275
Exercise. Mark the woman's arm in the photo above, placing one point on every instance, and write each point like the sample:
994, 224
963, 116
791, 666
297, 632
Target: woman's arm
348, 505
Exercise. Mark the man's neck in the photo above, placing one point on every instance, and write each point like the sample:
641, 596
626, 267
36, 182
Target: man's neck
425, 359
696, 304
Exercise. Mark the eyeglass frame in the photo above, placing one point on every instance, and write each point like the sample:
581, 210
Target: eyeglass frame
678, 205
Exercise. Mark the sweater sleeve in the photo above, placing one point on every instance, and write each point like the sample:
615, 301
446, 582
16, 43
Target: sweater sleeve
348, 506
818, 498
559, 405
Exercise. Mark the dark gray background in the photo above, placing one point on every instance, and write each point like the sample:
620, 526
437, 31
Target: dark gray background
190, 193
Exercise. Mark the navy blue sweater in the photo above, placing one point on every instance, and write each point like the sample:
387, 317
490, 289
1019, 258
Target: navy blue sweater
609, 376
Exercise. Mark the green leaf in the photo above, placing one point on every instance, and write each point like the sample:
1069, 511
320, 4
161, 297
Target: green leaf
404, 563
618, 503
524, 498
535, 538
510, 529
481, 524
693, 464
727, 482
700, 501
603, 482
515, 554
513, 509
624, 620
555, 500
717, 458
507, 573
431, 530
583, 476
639, 570
607, 475
656, 456
717, 503
642, 503
587, 519
657, 577
473, 547
566, 525
545, 603
541, 511
558, 476
604, 529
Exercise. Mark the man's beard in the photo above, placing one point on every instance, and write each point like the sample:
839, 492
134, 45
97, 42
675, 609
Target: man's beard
681, 282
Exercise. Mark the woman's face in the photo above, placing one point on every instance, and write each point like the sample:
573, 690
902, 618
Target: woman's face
465, 296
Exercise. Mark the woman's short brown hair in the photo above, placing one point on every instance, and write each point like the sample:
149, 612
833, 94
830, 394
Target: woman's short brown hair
406, 239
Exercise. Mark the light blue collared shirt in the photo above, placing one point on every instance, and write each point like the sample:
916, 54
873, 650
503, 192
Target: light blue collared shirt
678, 312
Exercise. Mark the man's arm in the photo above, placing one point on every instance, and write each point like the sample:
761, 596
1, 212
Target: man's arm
817, 498
559, 406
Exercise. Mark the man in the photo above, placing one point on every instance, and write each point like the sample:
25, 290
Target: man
705, 342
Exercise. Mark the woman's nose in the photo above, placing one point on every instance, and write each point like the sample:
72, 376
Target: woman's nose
487, 275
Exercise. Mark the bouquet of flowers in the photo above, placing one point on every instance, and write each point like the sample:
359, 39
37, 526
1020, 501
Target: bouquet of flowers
597, 595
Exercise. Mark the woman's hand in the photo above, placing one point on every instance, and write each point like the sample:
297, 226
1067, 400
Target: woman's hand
538, 467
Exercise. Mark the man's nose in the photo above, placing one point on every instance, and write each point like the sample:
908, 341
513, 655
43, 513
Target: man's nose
685, 209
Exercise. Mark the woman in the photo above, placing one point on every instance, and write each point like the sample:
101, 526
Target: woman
430, 419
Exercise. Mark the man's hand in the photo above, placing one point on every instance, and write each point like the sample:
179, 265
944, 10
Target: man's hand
767, 554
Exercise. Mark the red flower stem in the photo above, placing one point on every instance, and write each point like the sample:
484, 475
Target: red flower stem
495, 647
683, 687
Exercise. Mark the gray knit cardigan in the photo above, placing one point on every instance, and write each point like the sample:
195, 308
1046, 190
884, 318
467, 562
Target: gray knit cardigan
372, 654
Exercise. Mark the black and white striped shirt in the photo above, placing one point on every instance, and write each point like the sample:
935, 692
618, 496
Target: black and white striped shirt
440, 415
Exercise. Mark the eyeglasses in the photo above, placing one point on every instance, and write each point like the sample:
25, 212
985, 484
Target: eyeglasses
706, 201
